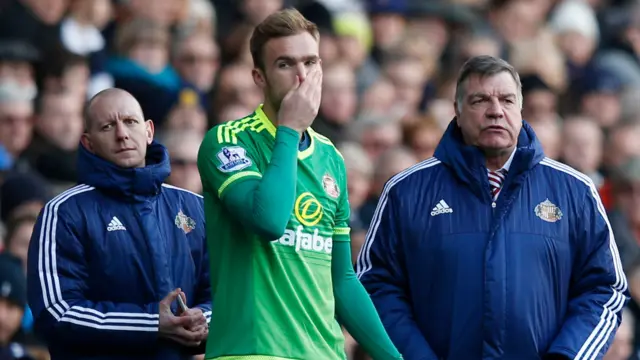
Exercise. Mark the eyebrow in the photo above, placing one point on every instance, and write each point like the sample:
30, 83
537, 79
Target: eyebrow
293, 59
484, 95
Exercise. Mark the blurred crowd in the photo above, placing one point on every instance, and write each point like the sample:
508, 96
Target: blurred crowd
390, 71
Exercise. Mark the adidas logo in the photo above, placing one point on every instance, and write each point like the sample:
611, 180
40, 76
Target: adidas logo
441, 208
115, 224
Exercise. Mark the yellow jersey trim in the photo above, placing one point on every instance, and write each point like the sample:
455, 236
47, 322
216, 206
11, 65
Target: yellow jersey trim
235, 177
268, 125
227, 132
341, 231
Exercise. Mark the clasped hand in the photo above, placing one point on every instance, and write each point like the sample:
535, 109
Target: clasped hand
188, 327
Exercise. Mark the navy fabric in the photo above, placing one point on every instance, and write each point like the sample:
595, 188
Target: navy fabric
105, 252
456, 276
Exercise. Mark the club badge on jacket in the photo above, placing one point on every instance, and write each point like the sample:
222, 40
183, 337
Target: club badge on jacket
184, 222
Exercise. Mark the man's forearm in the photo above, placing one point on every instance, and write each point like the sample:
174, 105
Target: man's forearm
101, 324
356, 311
265, 205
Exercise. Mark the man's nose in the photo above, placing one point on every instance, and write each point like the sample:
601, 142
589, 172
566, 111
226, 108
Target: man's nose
301, 71
121, 131
495, 108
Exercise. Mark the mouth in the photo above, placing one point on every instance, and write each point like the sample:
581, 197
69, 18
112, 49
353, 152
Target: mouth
495, 128
124, 150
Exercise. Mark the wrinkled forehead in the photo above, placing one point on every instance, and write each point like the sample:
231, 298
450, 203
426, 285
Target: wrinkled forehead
115, 107
501, 83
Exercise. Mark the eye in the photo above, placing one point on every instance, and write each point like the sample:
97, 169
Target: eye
310, 62
106, 127
283, 65
130, 121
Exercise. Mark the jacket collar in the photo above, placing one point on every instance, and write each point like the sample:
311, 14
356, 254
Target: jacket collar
468, 162
127, 184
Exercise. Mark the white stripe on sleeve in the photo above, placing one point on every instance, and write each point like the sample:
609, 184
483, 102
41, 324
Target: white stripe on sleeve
50, 281
364, 258
608, 319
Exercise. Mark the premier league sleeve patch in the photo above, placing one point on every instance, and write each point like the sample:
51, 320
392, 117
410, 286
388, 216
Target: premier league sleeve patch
233, 158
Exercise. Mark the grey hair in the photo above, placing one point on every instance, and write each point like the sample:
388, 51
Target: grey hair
484, 65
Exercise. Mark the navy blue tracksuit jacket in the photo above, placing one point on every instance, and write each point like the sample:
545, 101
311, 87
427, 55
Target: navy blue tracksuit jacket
105, 252
535, 273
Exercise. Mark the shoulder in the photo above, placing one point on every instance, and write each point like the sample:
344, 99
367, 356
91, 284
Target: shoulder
563, 174
178, 199
420, 172
232, 132
324, 144
71, 199
175, 191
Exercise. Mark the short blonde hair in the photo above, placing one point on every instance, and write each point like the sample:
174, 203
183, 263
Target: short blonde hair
138, 30
283, 23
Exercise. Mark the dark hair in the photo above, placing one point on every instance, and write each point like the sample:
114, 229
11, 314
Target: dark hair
485, 65
14, 223
283, 23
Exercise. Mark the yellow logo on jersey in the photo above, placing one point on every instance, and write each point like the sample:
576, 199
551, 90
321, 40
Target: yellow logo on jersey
308, 209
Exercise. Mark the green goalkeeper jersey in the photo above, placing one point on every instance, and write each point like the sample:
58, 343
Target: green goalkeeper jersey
273, 298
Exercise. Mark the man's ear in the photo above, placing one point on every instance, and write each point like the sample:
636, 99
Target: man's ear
85, 140
259, 78
150, 131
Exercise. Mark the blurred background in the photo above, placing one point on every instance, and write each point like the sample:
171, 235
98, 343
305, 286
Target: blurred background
390, 69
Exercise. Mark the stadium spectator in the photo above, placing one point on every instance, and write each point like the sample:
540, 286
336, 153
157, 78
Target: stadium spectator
582, 142
57, 130
186, 117
19, 230
390, 163
16, 119
183, 152
339, 101
109, 257
13, 299
196, 57
22, 193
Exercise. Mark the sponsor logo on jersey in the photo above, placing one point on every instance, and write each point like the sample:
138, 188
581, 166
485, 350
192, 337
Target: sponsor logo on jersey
233, 158
301, 240
308, 209
330, 186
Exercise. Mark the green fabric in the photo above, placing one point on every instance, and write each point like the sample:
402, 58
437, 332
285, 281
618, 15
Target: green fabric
255, 203
355, 309
271, 278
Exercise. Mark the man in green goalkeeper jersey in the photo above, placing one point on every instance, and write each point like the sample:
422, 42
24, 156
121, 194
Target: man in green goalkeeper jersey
277, 218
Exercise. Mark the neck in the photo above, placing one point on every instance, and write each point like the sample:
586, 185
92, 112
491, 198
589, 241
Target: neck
496, 160
79, 18
271, 113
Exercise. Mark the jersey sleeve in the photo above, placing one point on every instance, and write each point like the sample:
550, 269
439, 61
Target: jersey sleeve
341, 229
222, 161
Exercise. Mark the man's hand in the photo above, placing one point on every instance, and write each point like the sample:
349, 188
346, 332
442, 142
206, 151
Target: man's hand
200, 322
301, 104
177, 328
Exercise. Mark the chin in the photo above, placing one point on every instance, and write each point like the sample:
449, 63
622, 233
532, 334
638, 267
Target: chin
127, 162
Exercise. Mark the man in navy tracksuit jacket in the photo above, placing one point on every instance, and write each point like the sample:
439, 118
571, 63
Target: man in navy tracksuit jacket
516, 264
105, 253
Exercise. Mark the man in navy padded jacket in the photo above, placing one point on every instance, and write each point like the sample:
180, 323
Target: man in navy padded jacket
109, 257
490, 250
